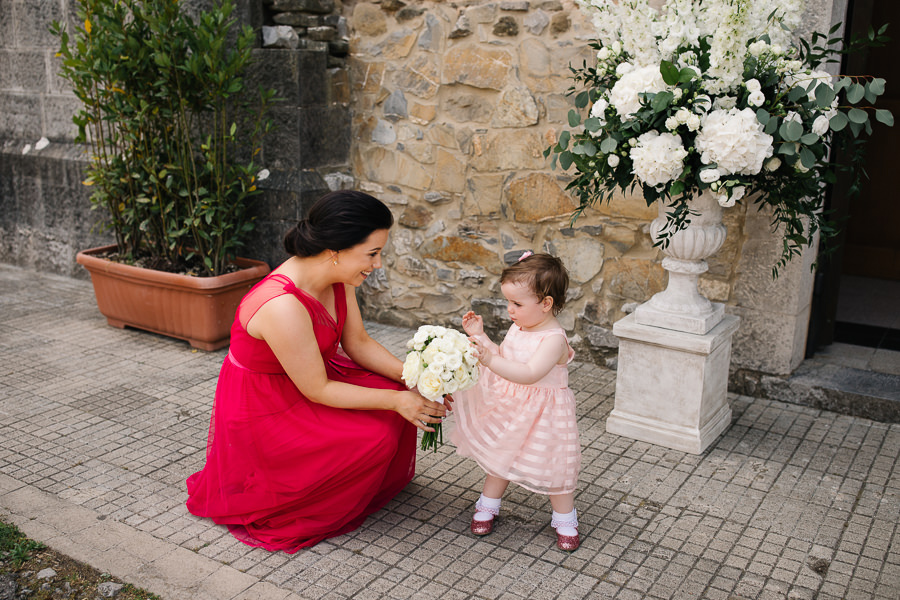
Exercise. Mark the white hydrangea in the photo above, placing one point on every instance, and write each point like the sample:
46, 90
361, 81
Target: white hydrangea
658, 158
624, 94
734, 140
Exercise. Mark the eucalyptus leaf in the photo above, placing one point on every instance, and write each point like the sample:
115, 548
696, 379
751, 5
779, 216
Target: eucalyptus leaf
839, 121
582, 99
790, 131
565, 159
608, 145
592, 124
808, 139
763, 116
857, 115
824, 95
884, 116
564, 138
807, 158
855, 93
877, 86
574, 119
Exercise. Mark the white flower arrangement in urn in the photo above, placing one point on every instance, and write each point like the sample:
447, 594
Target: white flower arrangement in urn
716, 96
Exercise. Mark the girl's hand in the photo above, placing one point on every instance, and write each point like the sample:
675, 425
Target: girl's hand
484, 355
473, 324
419, 410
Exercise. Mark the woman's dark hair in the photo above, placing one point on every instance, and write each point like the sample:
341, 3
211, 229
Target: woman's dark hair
337, 221
544, 274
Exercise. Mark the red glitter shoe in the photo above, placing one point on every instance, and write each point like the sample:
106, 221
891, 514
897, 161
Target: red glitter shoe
483, 527
569, 543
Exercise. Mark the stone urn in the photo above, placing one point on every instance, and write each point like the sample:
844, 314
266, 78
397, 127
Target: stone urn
675, 349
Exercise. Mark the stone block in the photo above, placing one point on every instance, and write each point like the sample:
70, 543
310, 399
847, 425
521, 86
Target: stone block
432, 38
455, 249
477, 66
516, 108
19, 119
770, 341
325, 135
449, 173
507, 150
58, 112
280, 36
319, 7
33, 19
681, 403
506, 26
538, 197
386, 166
536, 22
398, 44
368, 19
420, 77
469, 108
483, 194
7, 26
422, 114
583, 256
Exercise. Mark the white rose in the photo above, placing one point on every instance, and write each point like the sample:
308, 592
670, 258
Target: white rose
757, 48
724, 102
454, 361
463, 378
682, 115
617, 46
678, 93
612, 160
724, 201
658, 158
429, 353
624, 68
603, 53
800, 167
671, 123
412, 368
734, 140
757, 98
470, 358
737, 192
624, 95
598, 111
710, 175
793, 116
820, 125
420, 337
430, 385
693, 123
753, 85
773, 164
451, 385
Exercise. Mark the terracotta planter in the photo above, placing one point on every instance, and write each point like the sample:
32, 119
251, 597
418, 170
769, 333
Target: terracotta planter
199, 310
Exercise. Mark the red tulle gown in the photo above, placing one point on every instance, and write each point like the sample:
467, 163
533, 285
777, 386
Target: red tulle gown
283, 472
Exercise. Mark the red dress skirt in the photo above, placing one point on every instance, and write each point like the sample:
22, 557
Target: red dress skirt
283, 472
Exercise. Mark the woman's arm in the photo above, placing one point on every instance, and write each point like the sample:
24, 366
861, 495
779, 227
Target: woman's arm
360, 346
549, 353
284, 324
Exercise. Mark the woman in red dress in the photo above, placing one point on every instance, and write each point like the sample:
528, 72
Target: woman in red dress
311, 429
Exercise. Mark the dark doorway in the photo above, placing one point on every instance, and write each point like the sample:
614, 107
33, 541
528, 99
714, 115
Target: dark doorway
857, 295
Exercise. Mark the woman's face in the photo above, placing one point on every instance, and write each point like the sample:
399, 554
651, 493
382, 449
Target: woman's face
358, 261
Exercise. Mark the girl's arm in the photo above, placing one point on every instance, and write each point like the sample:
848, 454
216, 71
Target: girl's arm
473, 325
286, 327
549, 353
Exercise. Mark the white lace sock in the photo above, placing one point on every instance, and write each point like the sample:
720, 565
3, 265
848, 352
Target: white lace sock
486, 508
565, 524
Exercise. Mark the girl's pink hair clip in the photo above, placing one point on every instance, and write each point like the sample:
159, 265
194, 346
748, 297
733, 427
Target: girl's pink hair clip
526, 254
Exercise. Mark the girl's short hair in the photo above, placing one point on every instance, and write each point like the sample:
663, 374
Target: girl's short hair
337, 221
544, 274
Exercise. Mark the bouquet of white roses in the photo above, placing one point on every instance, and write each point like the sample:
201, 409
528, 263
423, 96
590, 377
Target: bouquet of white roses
439, 361
711, 95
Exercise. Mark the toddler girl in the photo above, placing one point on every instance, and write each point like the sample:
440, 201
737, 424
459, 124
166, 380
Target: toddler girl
518, 422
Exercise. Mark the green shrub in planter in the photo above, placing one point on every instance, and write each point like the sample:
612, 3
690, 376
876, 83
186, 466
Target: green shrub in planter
173, 134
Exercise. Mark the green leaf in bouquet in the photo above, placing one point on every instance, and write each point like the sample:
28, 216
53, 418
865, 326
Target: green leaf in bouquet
669, 72
686, 74
564, 138
824, 95
608, 145
582, 99
592, 124
763, 116
574, 119
808, 139
786, 149
796, 93
565, 159
839, 121
790, 131
884, 116
855, 93
857, 115
807, 158
771, 127
876, 86
661, 101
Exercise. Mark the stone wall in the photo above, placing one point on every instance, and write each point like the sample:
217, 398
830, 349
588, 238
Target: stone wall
453, 105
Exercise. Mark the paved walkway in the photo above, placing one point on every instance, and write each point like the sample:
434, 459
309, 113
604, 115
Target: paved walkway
99, 428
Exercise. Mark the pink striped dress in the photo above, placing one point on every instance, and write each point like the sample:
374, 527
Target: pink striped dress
526, 434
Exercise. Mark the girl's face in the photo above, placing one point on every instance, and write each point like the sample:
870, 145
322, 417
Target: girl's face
358, 262
525, 309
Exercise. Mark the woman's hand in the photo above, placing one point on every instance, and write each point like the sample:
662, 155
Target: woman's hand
419, 410
473, 324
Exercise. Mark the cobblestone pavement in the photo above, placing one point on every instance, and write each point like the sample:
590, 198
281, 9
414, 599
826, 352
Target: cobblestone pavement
99, 427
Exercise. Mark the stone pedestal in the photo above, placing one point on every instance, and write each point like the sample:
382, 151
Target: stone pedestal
671, 386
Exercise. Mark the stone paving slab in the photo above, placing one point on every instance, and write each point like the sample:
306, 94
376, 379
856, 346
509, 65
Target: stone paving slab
99, 427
